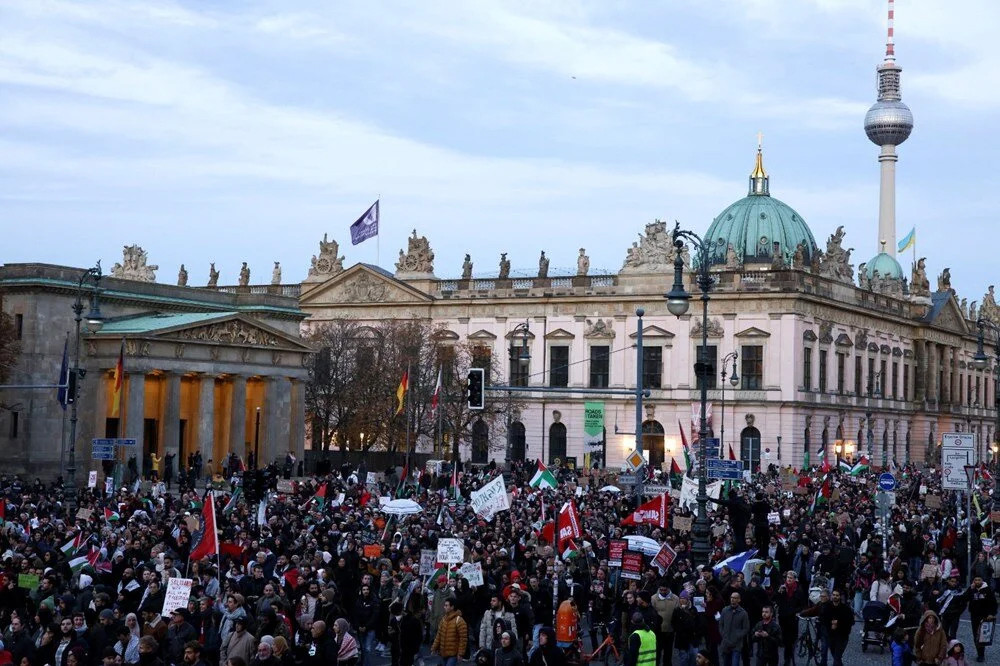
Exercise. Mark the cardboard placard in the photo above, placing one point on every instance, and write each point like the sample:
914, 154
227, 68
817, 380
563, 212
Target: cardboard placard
774, 518
929, 572
799, 490
683, 523
92, 479
84, 514
631, 565
178, 593
472, 572
450, 551
835, 495
664, 558
285, 486
428, 561
932, 501
27, 581
615, 550
372, 551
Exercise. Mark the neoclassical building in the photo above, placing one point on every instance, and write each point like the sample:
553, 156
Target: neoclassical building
202, 367
819, 347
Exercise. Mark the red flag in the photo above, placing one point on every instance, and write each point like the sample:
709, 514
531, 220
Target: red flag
205, 541
653, 512
548, 532
292, 578
3, 511
825, 469
732, 454
569, 523
231, 549
119, 381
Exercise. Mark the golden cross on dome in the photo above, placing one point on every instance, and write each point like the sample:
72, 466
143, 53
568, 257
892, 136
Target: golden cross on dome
760, 140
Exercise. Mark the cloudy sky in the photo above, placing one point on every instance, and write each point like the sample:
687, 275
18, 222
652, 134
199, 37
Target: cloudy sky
230, 131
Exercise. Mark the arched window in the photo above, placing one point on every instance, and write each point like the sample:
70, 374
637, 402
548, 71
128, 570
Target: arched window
480, 443
517, 441
557, 443
750, 448
652, 443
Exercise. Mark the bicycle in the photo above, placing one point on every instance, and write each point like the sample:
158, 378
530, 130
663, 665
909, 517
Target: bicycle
808, 644
608, 643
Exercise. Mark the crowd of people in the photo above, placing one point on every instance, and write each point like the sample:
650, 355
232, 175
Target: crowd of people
319, 574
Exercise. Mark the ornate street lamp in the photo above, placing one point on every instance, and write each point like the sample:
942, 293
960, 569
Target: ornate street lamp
734, 380
520, 355
678, 302
874, 390
89, 283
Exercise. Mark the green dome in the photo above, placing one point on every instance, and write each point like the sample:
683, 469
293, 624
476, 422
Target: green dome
755, 224
886, 265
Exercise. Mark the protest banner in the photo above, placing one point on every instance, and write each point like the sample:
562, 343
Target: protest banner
615, 550
428, 562
664, 558
683, 523
774, 518
472, 572
490, 499
178, 593
92, 479
27, 581
631, 565
450, 551
372, 551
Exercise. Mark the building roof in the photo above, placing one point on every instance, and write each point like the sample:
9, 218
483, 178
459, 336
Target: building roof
886, 265
159, 321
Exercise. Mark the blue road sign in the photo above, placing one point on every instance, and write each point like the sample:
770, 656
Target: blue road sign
102, 451
886, 482
103, 441
125, 442
731, 470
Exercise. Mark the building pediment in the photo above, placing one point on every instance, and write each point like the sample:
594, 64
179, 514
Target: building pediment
482, 335
216, 328
559, 334
361, 284
652, 332
753, 332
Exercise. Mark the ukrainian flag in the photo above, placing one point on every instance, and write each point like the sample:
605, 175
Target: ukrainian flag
907, 241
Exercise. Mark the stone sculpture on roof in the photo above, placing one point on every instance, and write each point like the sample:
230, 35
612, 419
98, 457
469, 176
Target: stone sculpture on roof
134, 266
276, 273
919, 284
418, 258
504, 267
654, 251
213, 276
836, 263
582, 262
467, 267
944, 280
182, 277
543, 265
244, 275
328, 263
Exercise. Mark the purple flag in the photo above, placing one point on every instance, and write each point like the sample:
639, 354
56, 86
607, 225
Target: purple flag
366, 226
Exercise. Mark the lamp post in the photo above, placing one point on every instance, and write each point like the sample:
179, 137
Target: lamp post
874, 391
522, 357
981, 362
256, 439
734, 380
90, 282
678, 302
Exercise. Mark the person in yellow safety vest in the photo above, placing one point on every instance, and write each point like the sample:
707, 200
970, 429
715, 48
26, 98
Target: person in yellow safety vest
641, 647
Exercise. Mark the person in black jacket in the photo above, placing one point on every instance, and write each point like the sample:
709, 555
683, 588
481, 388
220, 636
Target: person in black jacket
766, 636
21, 644
321, 649
405, 634
366, 612
548, 653
837, 619
791, 599
685, 624
982, 608
739, 518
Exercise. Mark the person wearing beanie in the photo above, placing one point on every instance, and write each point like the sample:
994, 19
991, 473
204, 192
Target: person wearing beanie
640, 648
685, 629
179, 632
665, 603
405, 634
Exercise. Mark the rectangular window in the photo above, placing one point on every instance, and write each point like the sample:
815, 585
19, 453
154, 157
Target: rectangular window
519, 368
906, 381
710, 376
822, 371
870, 383
559, 365
446, 359
895, 380
600, 365
15, 418
841, 361
881, 379
978, 385
482, 357
752, 367
18, 326
807, 368
652, 367
968, 389
857, 375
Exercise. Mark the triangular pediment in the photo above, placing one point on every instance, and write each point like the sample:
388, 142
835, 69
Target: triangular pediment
559, 334
482, 335
361, 284
222, 328
652, 331
519, 334
753, 332
444, 335
950, 317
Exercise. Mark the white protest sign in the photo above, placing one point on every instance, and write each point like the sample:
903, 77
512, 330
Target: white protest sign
109, 485
689, 491
178, 593
490, 499
428, 560
472, 572
450, 551
774, 518
92, 479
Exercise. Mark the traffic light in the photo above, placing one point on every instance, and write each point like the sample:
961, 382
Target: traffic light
72, 388
477, 388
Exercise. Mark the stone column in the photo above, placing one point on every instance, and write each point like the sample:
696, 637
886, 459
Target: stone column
947, 383
932, 372
919, 371
238, 417
206, 417
100, 404
956, 376
172, 418
276, 426
135, 414
297, 425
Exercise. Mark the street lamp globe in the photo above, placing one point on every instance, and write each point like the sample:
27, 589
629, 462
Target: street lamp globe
678, 301
980, 360
734, 380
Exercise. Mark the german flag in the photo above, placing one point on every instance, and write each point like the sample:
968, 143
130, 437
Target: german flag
119, 384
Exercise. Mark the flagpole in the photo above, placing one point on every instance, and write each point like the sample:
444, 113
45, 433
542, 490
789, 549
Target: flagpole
406, 414
378, 246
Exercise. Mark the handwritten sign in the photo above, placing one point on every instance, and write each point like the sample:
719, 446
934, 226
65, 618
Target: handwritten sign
84, 514
615, 550
428, 562
932, 501
450, 551
928, 572
27, 581
774, 518
472, 572
490, 499
92, 479
683, 523
372, 551
631, 565
178, 593
285, 486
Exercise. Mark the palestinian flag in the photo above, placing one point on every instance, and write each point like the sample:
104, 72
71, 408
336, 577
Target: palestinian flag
319, 498
688, 460
822, 495
454, 482
844, 466
97, 558
73, 545
78, 563
402, 481
543, 478
572, 551
110, 515
233, 499
825, 469
676, 475
860, 467
3, 511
